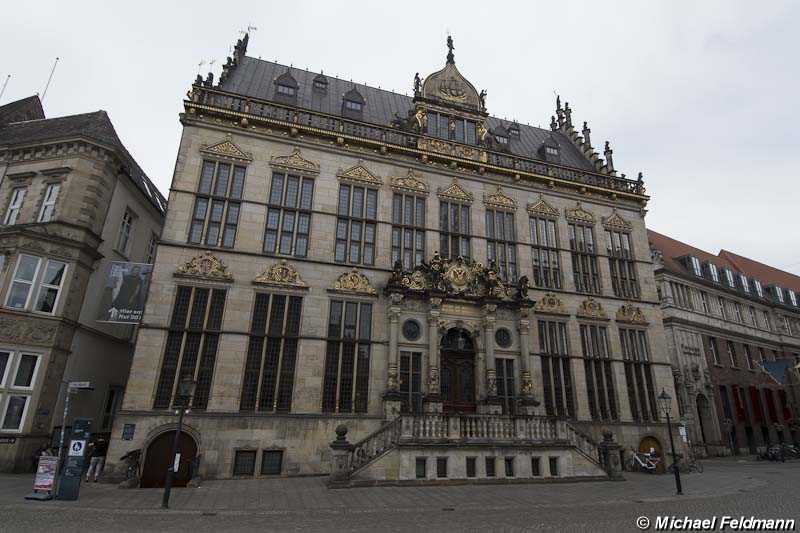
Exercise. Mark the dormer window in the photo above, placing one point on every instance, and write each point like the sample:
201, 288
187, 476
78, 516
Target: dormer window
729, 278
712, 272
513, 131
501, 139
759, 290
550, 150
792, 297
745, 283
695, 264
355, 106
321, 85
778, 293
284, 89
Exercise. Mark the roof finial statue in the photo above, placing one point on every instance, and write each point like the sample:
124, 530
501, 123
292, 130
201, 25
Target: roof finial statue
417, 84
558, 102
609, 161
482, 98
567, 115
450, 58
586, 132
553, 123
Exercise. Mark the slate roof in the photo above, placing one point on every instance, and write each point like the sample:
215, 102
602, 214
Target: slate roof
671, 249
29, 108
95, 126
255, 78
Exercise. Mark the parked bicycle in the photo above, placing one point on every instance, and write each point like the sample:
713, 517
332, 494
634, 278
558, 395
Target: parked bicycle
687, 465
642, 462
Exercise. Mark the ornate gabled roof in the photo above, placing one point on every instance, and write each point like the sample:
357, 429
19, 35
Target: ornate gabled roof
580, 215
499, 200
617, 222
450, 86
354, 96
320, 78
410, 184
294, 163
226, 150
287, 80
359, 174
455, 193
541, 208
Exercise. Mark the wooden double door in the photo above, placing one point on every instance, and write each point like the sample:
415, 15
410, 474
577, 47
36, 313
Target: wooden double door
458, 382
159, 455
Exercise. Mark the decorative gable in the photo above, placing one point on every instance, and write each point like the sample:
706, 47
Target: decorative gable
281, 274
591, 308
360, 175
542, 209
631, 313
294, 163
499, 200
617, 222
580, 215
354, 282
549, 303
454, 193
205, 266
226, 150
410, 184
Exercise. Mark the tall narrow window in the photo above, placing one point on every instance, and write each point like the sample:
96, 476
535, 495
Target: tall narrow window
289, 215
50, 286
704, 302
501, 243
753, 320
599, 375
454, 235
732, 355
125, 232
49, 202
759, 289
623, 268
638, 374
584, 259
505, 384
216, 209
22, 285
191, 347
355, 225
345, 387
18, 373
17, 197
151, 249
721, 307
271, 353
696, 266
712, 347
544, 253
556, 374
408, 229
737, 312
410, 382
749, 357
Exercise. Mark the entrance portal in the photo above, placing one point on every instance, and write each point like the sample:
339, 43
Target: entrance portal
159, 454
458, 372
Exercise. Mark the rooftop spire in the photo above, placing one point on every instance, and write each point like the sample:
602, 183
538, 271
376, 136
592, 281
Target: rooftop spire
450, 58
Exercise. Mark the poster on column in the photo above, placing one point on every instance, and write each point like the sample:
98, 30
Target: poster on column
124, 292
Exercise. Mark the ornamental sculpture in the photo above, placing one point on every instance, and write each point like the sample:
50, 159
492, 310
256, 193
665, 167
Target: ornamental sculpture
591, 308
281, 274
205, 266
630, 313
457, 277
549, 303
353, 281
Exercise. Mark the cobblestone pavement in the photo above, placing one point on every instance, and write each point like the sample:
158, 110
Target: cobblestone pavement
728, 487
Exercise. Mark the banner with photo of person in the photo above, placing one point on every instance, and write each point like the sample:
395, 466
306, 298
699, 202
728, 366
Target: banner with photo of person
124, 292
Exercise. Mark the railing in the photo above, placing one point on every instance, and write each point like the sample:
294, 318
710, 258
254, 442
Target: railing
374, 445
290, 117
465, 428
584, 443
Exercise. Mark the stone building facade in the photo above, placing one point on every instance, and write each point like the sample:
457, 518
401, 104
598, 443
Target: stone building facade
67, 188
724, 316
412, 268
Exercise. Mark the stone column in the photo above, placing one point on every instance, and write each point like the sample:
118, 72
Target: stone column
611, 458
527, 400
493, 404
391, 400
340, 458
433, 399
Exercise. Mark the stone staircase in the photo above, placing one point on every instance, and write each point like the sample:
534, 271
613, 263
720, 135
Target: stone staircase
386, 453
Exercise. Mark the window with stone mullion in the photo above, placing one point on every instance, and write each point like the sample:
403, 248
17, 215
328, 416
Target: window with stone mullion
268, 378
215, 217
355, 225
544, 253
556, 375
410, 382
584, 259
288, 215
454, 233
408, 229
501, 243
639, 375
345, 387
597, 365
623, 269
192, 343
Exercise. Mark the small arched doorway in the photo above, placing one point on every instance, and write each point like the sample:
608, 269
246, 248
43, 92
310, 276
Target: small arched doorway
652, 445
158, 456
458, 372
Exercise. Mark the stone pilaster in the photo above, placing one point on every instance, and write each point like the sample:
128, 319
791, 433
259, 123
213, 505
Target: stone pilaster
527, 400
433, 399
391, 400
492, 401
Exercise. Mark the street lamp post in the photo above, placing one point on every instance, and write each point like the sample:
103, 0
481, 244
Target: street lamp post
665, 401
182, 398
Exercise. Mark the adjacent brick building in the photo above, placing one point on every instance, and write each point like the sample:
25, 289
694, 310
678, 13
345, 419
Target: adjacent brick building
724, 315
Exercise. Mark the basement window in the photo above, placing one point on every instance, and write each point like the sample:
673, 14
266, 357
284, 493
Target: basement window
244, 463
421, 467
554, 466
490, 466
441, 467
271, 462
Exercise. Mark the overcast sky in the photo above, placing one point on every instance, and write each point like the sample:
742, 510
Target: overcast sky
700, 96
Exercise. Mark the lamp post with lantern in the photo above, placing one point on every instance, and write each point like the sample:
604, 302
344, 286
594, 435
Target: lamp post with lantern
666, 402
183, 397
